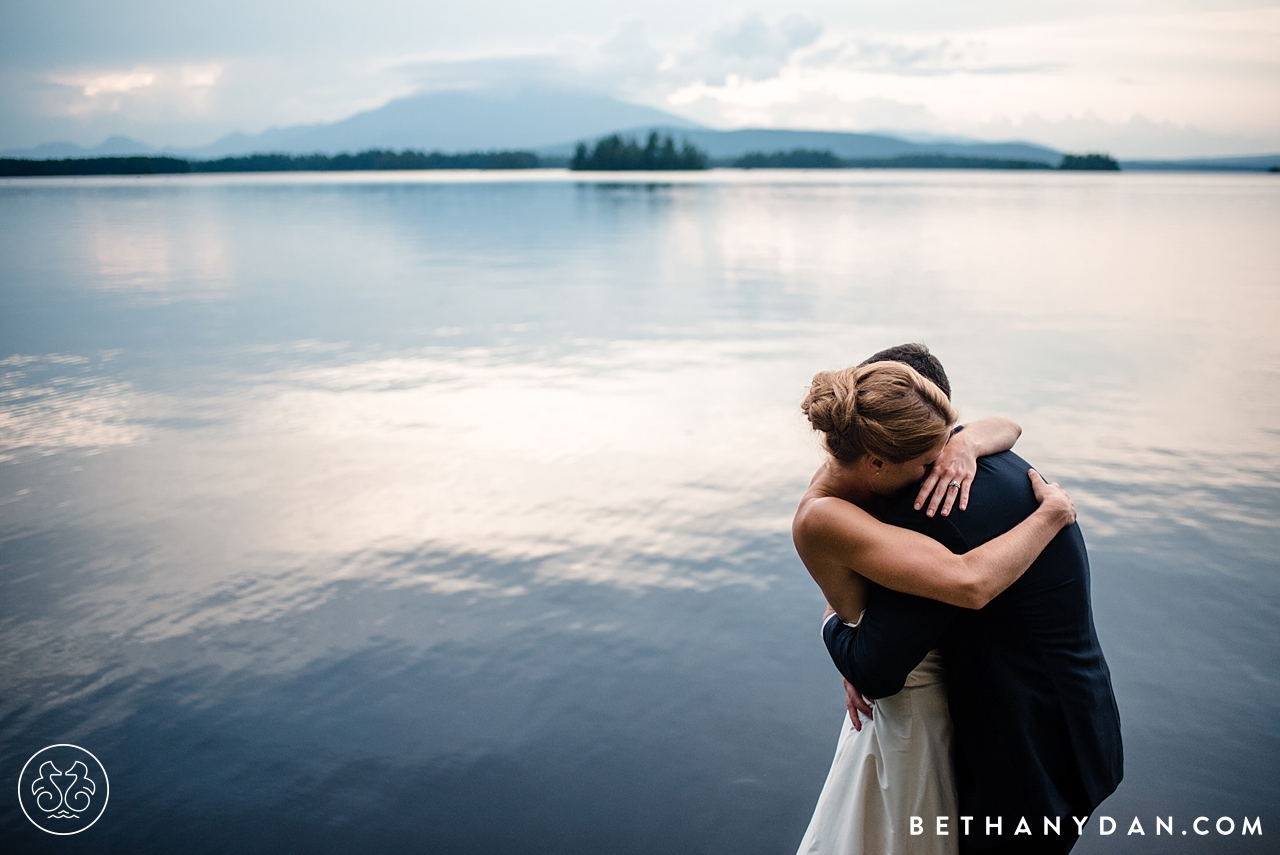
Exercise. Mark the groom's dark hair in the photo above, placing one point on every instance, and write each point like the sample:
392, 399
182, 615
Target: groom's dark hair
919, 358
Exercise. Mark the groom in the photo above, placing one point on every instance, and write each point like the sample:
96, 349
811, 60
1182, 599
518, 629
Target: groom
1037, 732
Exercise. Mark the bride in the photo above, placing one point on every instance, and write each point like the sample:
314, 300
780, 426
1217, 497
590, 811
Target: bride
885, 428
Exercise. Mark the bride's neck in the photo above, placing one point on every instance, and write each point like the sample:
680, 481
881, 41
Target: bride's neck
845, 481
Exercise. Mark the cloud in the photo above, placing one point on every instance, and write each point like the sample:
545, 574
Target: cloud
931, 57
750, 38
491, 73
1151, 85
1135, 137
629, 61
951, 72
1167, 85
137, 90
745, 47
787, 103
97, 84
200, 75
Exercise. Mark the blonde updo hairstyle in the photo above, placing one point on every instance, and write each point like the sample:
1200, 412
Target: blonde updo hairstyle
885, 409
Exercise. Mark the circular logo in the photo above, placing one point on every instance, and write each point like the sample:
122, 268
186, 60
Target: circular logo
63, 789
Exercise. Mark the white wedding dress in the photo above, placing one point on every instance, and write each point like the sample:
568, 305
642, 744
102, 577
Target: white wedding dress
898, 766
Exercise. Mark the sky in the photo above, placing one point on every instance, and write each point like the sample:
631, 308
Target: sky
1135, 78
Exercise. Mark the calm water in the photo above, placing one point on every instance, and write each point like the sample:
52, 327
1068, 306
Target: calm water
452, 513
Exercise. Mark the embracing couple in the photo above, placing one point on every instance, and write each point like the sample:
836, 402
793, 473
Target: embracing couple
981, 715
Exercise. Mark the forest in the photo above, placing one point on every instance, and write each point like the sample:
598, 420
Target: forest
809, 159
374, 159
611, 153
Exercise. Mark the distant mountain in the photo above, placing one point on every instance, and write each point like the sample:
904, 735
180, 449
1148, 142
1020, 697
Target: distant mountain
553, 122
724, 145
1257, 163
924, 136
453, 122
116, 146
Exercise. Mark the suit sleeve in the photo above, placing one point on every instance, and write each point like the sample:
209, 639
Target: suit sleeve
897, 630
895, 634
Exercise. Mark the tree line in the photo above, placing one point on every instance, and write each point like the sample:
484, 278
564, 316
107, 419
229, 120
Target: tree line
16, 167
374, 159
801, 158
610, 153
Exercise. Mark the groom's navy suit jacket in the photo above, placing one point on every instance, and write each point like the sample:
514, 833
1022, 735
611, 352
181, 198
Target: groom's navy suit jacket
1037, 732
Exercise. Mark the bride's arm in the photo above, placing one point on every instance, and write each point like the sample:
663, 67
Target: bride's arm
958, 462
833, 536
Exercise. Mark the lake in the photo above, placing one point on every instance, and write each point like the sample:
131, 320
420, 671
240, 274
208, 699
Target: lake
451, 511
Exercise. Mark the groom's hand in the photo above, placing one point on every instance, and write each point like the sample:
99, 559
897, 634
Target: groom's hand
856, 703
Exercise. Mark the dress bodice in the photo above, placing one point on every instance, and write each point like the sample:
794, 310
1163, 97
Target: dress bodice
928, 672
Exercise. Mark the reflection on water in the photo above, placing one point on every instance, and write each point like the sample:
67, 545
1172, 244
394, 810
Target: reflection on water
454, 512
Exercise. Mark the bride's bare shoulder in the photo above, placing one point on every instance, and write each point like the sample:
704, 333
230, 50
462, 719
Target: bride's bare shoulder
821, 515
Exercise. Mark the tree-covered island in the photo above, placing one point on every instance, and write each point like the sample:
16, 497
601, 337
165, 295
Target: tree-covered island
614, 152
1093, 162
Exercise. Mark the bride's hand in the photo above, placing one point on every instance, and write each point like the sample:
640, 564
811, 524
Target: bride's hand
950, 477
855, 703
